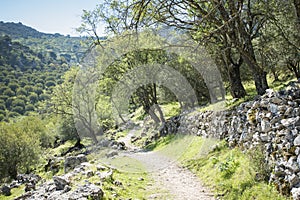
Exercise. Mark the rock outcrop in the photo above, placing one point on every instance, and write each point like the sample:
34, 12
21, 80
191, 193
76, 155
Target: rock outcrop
72, 161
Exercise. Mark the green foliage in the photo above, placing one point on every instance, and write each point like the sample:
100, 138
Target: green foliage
228, 167
18, 102
2, 117
13, 114
13, 86
18, 109
50, 83
23, 75
9, 92
33, 98
2, 106
21, 91
29, 107
19, 146
67, 129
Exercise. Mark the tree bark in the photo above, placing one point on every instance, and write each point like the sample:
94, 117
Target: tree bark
237, 89
153, 116
13, 171
297, 10
259, 75
295, 68
161, 114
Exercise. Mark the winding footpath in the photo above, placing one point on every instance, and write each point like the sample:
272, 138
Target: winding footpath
173, 181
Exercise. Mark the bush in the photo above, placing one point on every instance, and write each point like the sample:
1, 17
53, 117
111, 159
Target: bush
50, 83
9, 92
67, 129
29, 107
2, 106
21, 91
18, 102
2, 117
19, 147
44, 97
18, 109
13, 114
2, 112
33, 98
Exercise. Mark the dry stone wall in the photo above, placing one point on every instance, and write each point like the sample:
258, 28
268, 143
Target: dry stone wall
271, 121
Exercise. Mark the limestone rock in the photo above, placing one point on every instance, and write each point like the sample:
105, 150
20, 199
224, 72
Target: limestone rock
5, 190
72, 161
297, 141
60, 182
295, 193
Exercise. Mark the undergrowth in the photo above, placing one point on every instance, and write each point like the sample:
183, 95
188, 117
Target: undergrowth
232, 173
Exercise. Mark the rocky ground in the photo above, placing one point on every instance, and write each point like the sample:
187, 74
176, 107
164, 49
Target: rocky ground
168, 179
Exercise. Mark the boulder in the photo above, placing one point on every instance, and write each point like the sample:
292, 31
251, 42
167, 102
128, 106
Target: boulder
295, 193
5, 190
111, 154
87, 191
60, 182
72, 161
294, 121
297, 141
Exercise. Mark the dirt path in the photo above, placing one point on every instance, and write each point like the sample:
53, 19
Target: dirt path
173, 181
177, 182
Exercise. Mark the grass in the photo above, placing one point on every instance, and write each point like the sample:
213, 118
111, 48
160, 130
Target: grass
230, 173
121, 134
134, 185
171, 109
16, 192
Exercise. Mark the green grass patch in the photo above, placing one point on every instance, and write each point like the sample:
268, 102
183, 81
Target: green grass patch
121, 134
160, 143
231, 173
171, 109
134, 186
124, 164
15, 192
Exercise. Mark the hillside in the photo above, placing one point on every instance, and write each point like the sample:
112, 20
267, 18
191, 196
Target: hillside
18, 30
26, 78
70, 48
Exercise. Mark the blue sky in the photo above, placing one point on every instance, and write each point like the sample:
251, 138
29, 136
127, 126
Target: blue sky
49, 16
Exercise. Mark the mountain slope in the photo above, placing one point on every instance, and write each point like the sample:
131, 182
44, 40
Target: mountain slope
70, 48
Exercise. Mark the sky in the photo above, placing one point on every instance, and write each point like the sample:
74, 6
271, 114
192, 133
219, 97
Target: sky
48, 16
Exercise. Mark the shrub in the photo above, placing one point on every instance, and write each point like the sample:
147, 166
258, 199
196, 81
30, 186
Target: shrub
67, 129
13, 86
50, 83
18, 109
21, 91
9, 92
44, 97
19, 148
29, 107
2, 106
2, 112
2, 117
33, 98
18, 102
13, 114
